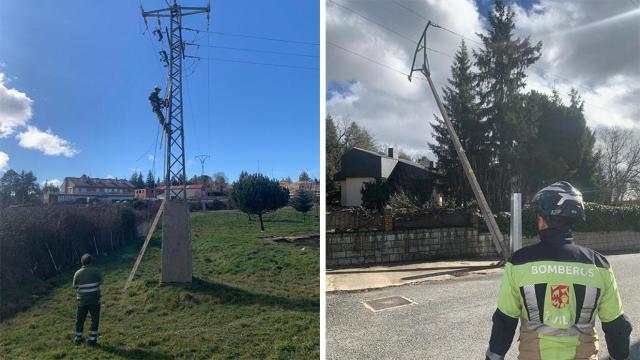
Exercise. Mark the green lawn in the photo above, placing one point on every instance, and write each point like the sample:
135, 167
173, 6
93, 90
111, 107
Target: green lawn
250, 299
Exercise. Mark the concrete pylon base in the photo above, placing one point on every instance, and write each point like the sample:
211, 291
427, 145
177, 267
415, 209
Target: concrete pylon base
176, 244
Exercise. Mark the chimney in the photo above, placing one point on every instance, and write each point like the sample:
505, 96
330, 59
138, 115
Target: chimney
391, 153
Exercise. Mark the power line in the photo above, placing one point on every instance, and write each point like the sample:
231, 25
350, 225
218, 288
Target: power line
253, 37
259, 51
414, 12
405, 37
538, 67
428, 48
254, 63
367, 58
374, 22
377, 62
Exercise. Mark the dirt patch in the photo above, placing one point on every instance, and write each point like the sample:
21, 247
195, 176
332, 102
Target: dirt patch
307, 240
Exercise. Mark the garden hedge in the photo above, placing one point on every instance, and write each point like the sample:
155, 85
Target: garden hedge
598, 218
33, 239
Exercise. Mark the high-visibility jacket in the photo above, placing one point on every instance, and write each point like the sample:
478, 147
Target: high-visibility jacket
87, 282
557, 288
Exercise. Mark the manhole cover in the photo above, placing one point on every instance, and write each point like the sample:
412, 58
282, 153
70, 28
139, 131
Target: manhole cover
387, 303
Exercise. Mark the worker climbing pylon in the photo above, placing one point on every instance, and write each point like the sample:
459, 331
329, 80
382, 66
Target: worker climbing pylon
157, 104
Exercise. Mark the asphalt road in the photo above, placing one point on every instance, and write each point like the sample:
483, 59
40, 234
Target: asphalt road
450, 320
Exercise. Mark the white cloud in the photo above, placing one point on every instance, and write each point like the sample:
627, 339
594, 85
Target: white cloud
4, 161
602, 62
395, 111
45, 141
592, 46
109, 176
54, 182
151, 157
15, 109
15, 114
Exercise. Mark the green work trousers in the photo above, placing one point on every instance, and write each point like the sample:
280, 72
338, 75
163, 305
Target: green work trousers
81, 315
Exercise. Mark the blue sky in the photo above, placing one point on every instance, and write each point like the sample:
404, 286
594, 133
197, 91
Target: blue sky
88, 69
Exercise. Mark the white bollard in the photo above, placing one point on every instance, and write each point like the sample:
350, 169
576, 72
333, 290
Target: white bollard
515, 237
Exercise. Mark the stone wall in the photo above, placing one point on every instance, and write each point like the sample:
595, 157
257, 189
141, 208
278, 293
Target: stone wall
604, 242
378, 247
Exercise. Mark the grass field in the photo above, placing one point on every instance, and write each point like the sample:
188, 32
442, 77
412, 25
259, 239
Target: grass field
251, 298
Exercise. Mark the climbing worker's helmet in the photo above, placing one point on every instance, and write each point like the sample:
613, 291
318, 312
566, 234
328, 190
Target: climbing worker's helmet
158, 87
560, 205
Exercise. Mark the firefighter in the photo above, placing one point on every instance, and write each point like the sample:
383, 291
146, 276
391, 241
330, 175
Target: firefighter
87, 282
157, 104
556, 288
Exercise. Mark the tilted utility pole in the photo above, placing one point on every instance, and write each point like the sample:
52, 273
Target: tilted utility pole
176, 233
202, 159
496, 234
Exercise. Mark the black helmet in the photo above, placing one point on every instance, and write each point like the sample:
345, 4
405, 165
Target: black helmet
560, 204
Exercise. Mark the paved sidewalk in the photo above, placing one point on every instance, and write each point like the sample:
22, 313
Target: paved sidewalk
363, 278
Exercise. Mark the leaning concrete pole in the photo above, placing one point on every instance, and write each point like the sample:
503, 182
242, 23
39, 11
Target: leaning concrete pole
496, 234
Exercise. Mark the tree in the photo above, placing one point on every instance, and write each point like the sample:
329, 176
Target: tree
18, 188
133, 179
151, 182
502, 63
302, 202
50, 188
304, 176
620, 161
562, 146
139, 181
257, 194
220, 181
461, 104
375, 195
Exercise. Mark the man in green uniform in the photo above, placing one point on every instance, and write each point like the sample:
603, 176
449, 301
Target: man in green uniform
557, 288
87, 282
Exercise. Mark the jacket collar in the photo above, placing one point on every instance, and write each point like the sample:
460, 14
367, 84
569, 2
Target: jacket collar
555, 236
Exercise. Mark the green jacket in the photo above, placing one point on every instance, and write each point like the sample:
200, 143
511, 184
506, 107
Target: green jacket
87, 282
557, 289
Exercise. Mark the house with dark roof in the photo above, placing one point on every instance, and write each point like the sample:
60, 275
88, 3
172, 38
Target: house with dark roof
85, 189
86, 185
359, 166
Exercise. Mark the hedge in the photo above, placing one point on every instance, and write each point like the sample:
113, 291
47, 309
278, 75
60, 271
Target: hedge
598, 218
37, 242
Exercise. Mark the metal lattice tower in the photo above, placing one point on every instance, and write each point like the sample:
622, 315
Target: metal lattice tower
176, 232
202, 159
174, 157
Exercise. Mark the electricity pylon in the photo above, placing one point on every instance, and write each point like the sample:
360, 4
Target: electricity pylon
202, 159
176, 241
496, 234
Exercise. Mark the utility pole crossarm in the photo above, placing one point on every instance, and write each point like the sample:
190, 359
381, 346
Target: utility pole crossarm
496, 234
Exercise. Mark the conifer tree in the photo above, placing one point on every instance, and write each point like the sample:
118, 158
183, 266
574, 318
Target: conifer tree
460, 99
502, 63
